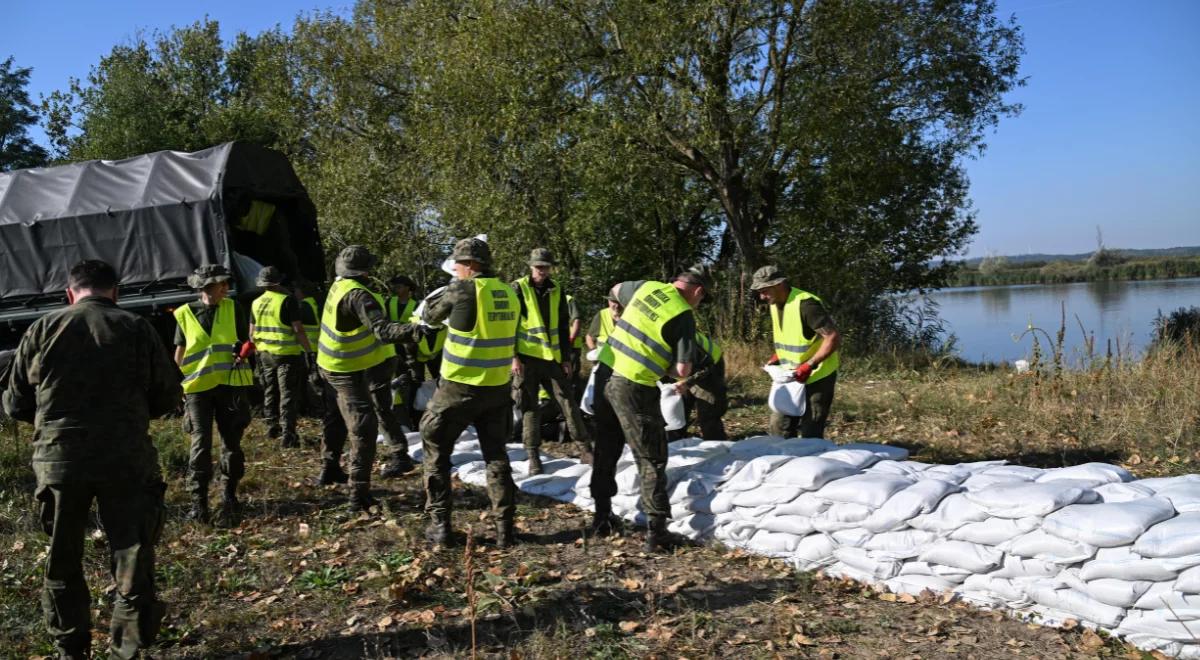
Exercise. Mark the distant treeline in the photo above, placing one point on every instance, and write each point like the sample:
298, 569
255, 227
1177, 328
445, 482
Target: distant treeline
1103, 266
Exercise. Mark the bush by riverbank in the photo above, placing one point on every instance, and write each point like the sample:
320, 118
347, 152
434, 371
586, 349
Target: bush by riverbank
996, 271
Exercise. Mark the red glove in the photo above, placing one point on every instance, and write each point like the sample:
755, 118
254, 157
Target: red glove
774, 359
803, 372
246, 351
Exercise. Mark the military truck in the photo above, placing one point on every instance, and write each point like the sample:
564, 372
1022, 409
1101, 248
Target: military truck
155, 218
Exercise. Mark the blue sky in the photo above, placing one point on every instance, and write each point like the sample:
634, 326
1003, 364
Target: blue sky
1110, 135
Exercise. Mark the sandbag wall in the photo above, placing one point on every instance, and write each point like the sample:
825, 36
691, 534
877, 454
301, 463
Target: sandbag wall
1087, 543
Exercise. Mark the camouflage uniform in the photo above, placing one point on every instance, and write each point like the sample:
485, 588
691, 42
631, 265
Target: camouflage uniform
708, 395
281, 376
90, 377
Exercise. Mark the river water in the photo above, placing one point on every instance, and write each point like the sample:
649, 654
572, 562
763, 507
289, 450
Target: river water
988, 321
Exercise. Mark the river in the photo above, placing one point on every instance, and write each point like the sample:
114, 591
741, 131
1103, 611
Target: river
988, 320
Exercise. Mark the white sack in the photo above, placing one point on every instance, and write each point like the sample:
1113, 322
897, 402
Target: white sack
859, 458
919, 498
910, 469
809, 472
1077, 603
812, 551
852, 537
1123, 492
1134, 568
807, 504
766, 494
1024, 567
1176, 537
753, 472
876, 568
1097, 473
1108, 525
1023, 472
695, 485
1110, 591
952, 473
953, 512
884, 452
867, 489
693, 526
1021, 500
948, 573
985, 480
995, 531
788, 399
1039, 544
424, 394
904, 544
960, 554
721, 466
842, 515
1177, 625
772, 544
918, 584
1184, 495
989, 591
1164, 595
767, 445
795, 525
671, 403
589, 394
1189, 581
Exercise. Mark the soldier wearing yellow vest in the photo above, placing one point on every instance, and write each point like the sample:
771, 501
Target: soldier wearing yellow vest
603, 323
400, 307
707, 392
575, 327
655, 336
806, 340
481, 315
209, 340
542, 360
279, 337
353, 351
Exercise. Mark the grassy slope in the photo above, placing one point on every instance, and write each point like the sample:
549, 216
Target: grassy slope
302, 578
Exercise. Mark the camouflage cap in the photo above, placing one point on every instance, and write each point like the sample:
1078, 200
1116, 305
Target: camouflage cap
472, 249
700, 274
208, 274
354, 260
541, 257
766, 277
269, 276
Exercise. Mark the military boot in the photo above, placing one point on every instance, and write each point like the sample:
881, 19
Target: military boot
398, 465
290, 441
231, 508
506, 537
199, 510
535, 461
602, 525
657, 536
331, 473
437, 532
360, 498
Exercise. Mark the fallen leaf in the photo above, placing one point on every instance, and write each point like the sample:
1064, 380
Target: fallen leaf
629, 626
889, 597
799, 640
1090, 640
631, 584
385, 622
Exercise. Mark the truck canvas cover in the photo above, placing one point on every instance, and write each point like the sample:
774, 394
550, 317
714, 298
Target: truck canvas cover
155, 218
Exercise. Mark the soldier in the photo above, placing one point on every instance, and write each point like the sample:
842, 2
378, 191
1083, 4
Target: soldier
481, 315
575, 350
211, 347
354, 352
543, 337
805, 340
310, 318
706, 391
277, 329
657, 330
91, 377
603, 323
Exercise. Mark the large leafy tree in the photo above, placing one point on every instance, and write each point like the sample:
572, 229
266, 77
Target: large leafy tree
17, 114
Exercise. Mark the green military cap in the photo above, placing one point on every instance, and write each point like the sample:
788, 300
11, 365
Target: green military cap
766, 277
269, 276
354, 260
541, 257
472, 249
208, 274
700, 274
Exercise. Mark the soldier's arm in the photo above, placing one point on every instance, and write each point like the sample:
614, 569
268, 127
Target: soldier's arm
682, 329
593, 332
817, 317
163, 385
20, 392
371, 315
290, 314
439, 307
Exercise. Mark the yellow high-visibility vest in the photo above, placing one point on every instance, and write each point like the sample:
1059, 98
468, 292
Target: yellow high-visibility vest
398, 314
606, 325
270, 334
538, 337
483, 356
639, 351
208, 356
313, 330
791, 345
355, 350
709, 346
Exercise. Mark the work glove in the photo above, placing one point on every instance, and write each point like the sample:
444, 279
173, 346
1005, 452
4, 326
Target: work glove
774, 359
803, 372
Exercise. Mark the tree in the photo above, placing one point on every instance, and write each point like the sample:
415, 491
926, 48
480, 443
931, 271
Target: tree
17, 114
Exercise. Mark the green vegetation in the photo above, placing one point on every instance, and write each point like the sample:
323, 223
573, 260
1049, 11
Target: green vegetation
999, 271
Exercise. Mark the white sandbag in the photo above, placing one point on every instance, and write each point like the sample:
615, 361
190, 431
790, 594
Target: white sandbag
424, 394
629, 480
851, 537
989, 590
1097, 473
1176, 537
766, 494
809, 472
1135, 568
753, 472
673, 412
884, 452
807, 504
876, 568
1025, 567
1182, 625
867, 489
589, 394
960, 554
918, 584
693, 527
1183, 495
985, 480
1108, 525
948, 573
772, 544
951, 513
1023, 472
1123, 492
1039, 544
795, 525
767, 445
1188, 581
910, 469
1021, 500
952, 473
919, 498
843, 515
995, 531
812, 551
1110, 591
1077, 603
693, 486
903, 544
848, 572
722, 466
788, 399
859, 458
1164, 595
461, 457
548, 485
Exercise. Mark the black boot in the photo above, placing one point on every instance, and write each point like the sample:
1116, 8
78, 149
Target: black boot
360, 498
657, 537
535, 460
398, 465
199, 510
331, 473
437, 532
290, 441
506, 537
230, 507
602, 525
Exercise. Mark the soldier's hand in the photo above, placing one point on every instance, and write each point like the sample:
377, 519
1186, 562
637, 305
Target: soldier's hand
518, 369
681, 387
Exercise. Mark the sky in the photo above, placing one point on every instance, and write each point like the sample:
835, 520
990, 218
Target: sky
1109, 137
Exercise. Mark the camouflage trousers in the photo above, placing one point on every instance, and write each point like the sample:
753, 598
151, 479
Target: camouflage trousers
229, 408
711, 401
626, 411
455, 406
131, 513
391, 417
548, 374
818, 401
282, 379
356, 406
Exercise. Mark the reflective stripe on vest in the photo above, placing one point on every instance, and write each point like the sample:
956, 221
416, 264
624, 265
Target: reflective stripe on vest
709, 346
313, 330
483, 356
270, 334
639, 352
208, 356
345, 352
792, 347
535, 337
